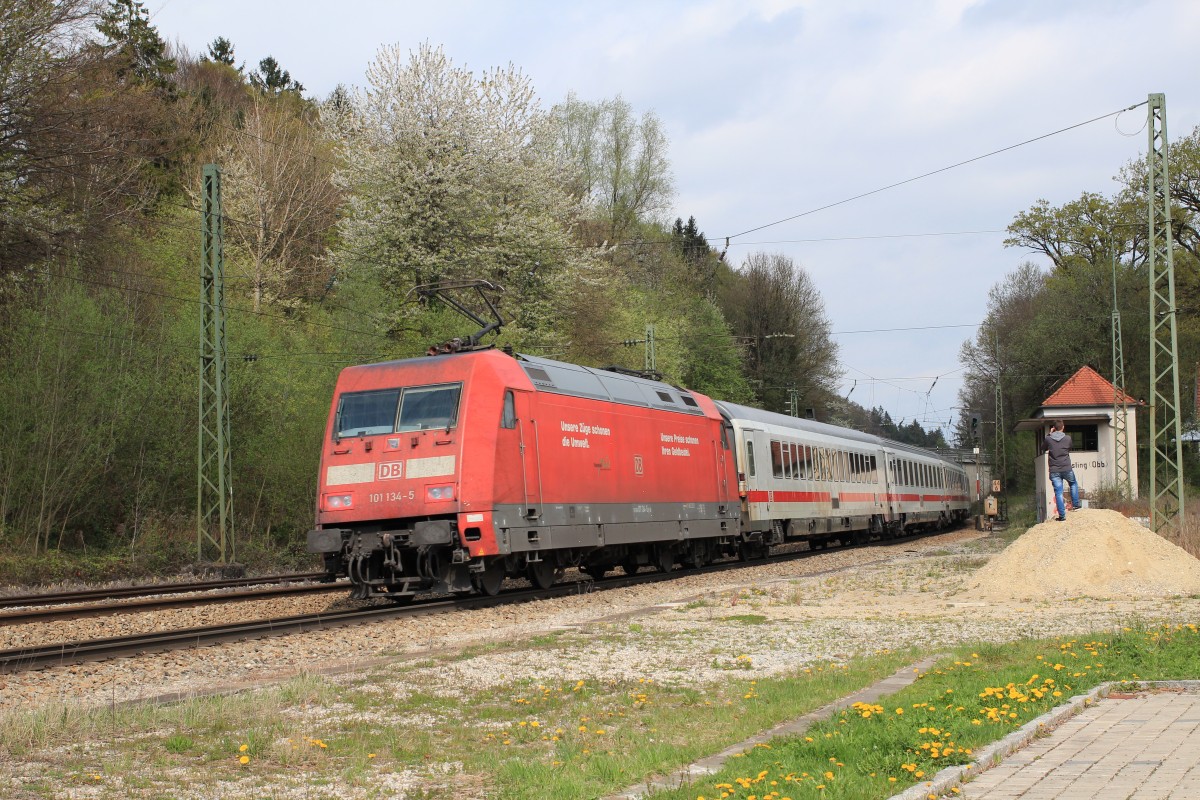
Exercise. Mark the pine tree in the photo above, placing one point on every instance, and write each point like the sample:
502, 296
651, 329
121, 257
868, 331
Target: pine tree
221, 51
271, 78
132, 39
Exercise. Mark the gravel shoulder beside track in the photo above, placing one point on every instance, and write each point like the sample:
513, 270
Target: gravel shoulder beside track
908, 598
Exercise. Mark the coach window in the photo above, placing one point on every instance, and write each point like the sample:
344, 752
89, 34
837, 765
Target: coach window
873, 476
787, 459
750, 458
508, 418
776, 459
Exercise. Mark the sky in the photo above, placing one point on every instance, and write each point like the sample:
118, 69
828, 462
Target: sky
778, 108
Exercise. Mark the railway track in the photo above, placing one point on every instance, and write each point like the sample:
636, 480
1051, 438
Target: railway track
83, 610
40, 657
56, 598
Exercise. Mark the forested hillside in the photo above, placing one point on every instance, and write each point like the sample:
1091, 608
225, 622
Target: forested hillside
334, 209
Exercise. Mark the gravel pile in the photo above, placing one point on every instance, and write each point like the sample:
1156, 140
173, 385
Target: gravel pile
1094, 553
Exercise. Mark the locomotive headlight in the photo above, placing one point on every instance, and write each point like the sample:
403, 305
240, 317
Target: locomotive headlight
439, 493
338, 501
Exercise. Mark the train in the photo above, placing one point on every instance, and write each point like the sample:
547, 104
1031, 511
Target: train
455, 471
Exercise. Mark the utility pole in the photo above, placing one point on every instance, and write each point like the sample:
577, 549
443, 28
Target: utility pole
1166, 448
650, 361
214, 489
1000, 431
1120, 407
793, 402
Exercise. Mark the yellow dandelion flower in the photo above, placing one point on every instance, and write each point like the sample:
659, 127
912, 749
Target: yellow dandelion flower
243, 748
244, 759
370, 755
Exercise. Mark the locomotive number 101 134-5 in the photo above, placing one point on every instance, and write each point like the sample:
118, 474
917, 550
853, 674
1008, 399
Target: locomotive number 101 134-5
392, 497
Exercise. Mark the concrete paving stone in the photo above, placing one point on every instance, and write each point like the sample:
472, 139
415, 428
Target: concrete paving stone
1139, 748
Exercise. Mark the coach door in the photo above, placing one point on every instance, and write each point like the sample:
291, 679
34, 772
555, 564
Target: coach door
889, 486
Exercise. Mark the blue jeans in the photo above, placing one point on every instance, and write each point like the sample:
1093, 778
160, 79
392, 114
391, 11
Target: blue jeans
1057, 479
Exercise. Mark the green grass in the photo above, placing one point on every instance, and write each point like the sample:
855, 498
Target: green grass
971, 699
518, 740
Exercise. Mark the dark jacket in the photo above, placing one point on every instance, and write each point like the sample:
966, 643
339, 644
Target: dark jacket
1058, 445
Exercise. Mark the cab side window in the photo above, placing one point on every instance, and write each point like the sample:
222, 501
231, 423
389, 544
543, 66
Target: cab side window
508, 418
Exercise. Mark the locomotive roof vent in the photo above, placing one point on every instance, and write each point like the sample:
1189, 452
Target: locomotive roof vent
538, 375
666, 398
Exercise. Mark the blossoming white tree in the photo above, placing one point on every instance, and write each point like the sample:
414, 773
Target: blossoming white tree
448, 177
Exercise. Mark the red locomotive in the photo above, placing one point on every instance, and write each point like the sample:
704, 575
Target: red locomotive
454, 471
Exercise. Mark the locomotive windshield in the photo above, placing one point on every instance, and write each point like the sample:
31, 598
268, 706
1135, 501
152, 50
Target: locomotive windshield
391, 410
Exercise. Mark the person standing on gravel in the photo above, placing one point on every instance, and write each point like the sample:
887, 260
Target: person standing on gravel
1058, 449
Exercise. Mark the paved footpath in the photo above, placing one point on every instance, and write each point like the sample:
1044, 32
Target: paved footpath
1144, 746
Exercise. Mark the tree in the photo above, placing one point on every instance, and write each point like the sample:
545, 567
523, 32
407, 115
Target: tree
136, 43
691, 245
279, 198
37, 59
619, 163
776, 309
445, 181
1091, 230
220, 51
274, 79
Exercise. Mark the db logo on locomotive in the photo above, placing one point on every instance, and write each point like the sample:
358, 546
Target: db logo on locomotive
390, 470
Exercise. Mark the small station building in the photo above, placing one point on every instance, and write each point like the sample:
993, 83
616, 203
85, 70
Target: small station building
1085, 402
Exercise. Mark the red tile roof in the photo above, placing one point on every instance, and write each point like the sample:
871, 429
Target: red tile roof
1085, 388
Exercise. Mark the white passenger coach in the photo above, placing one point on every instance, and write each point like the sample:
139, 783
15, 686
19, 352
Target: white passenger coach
801, 479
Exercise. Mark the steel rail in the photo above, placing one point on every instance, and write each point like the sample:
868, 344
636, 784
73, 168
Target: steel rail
83, 610
52, 598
